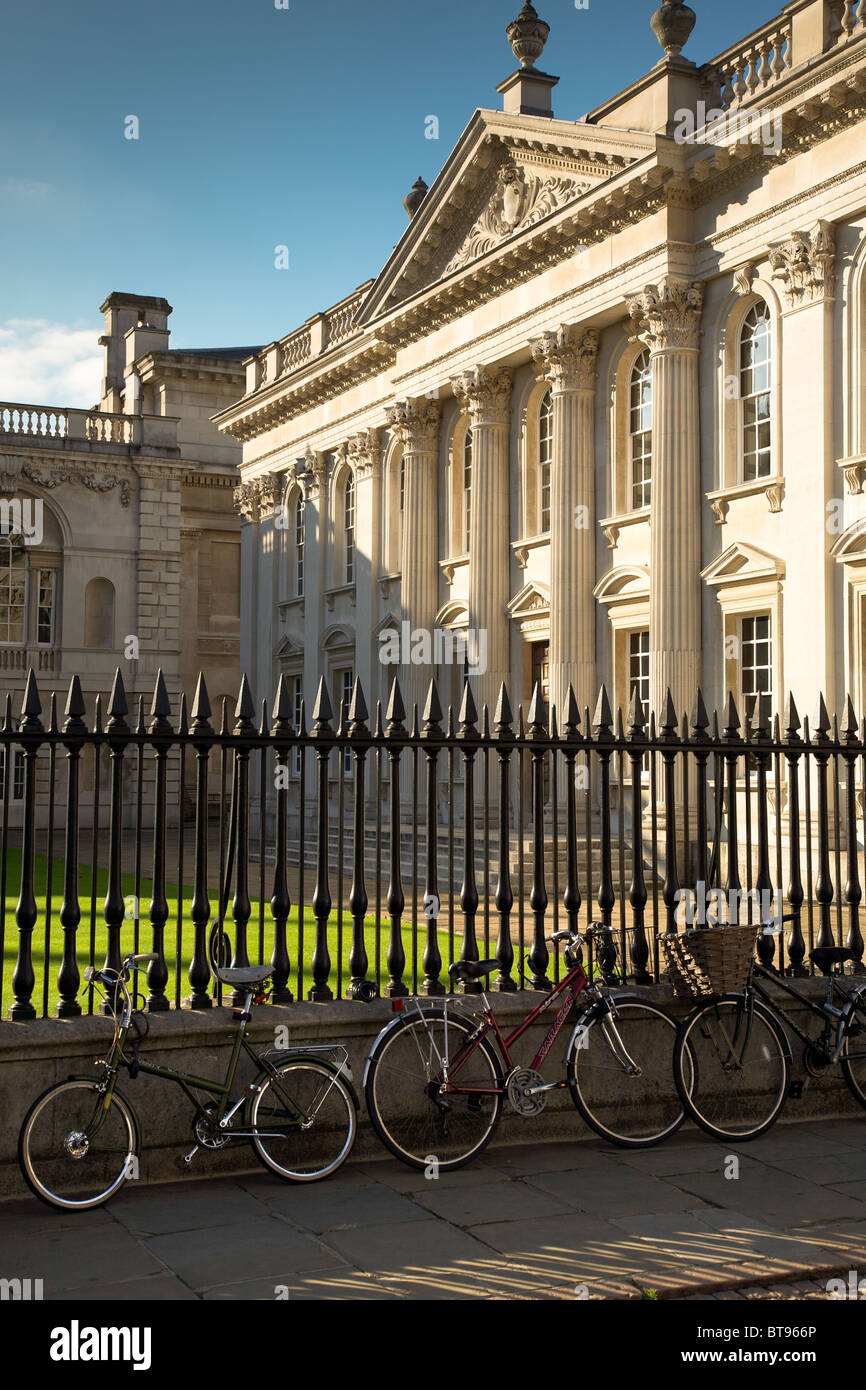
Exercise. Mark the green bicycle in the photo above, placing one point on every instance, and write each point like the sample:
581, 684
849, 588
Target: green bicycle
81, 1140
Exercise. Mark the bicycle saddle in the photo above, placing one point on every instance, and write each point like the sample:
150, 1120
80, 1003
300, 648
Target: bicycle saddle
244, 974
472, 969
825, 957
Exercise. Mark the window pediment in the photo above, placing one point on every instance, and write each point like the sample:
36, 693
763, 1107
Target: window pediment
850, 547
533, 601
623, 584
743, 563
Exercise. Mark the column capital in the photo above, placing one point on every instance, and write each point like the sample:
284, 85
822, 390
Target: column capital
416, 424
312, 473
668, 315
568, 357
485, 392
364, 452
246, 499
805, 264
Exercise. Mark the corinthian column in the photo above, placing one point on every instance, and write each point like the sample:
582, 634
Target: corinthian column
667, 317
485, 392
567, 359
416, 424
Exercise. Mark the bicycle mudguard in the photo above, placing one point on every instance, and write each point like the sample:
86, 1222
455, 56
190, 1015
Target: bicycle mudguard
91, 1081
396, 1022
298, 1054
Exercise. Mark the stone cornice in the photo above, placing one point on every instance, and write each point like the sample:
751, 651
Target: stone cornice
416, 424
485, 393
195, 478
568, 358
668, 316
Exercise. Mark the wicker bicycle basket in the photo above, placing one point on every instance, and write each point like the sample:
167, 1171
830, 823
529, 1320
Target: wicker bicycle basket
709, 962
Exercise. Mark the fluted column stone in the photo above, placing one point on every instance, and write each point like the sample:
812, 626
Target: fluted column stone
568, 359
485, 394
667, 317
416, 424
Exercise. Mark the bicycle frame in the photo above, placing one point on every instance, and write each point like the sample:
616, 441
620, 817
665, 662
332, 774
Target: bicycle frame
825, 1011
574, 982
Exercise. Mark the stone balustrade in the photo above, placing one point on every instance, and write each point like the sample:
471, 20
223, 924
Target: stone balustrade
68, 428
752, 67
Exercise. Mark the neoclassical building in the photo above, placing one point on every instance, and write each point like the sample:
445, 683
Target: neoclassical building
603, 410
135, 562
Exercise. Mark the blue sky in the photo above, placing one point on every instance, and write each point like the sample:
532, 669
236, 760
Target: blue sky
258, 127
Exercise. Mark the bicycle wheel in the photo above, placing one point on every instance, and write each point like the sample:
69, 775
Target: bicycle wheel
738, 1064
853, 1057
413, 1116
632, 1109
74, 1150
305, 1120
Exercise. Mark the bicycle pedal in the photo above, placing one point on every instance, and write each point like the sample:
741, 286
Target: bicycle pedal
797, 1090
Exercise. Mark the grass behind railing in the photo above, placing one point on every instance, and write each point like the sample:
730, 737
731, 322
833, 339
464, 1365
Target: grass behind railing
92, 935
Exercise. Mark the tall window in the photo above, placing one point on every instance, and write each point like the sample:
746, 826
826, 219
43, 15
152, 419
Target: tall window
638, 669
297, 701
16, 791
13, 589
755, 393
349, 527
756, 661
300, 536
545, 460
45, 608
402, 485
640, 426
467, 484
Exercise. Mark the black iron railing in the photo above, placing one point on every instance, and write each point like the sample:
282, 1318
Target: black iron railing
366, 853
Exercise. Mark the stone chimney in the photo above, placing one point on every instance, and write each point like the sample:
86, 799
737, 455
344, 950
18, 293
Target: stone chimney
527, 92
134, 323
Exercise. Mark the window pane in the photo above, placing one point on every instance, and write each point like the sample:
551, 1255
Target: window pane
755, 393
640, 431
545, 460
467, 486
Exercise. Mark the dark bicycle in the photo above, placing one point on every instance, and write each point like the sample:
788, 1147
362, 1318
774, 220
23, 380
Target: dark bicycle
732, 1059
81, 1140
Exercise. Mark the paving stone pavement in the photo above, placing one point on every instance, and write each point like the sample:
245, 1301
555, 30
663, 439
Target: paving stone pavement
537, 1221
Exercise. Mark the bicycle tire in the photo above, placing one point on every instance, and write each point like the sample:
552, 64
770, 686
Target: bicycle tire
856, 1084
327, 1141
715, 1090
428, 1134
55, 1153
602, 1089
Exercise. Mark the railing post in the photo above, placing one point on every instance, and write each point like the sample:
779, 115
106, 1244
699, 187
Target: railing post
202, 739
69, 978
320, 991
395, 957
853, 890
700, 722
602, 728
160, 731
539, 956
823, 882
468, 736
432, 735
793, 752
359, 736
23, 978
733, 750
763, 883
502, 721
244, 730
637, 894
281, 903
114, 909
668, 737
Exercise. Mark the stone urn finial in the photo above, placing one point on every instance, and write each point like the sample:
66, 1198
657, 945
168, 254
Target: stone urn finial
415, 197
672, 25
527, 35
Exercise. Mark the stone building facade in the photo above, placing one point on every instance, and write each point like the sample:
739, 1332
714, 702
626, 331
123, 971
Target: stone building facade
602, 412
119, 540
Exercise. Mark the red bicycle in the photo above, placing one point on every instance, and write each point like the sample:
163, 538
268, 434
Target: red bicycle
435, 1083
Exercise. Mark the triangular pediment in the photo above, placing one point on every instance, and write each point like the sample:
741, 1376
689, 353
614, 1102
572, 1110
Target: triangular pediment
742, 561
533, 599
506, 175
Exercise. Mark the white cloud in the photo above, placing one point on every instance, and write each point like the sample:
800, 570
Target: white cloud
43, 363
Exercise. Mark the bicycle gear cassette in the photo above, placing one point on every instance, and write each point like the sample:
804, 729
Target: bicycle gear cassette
520, 1087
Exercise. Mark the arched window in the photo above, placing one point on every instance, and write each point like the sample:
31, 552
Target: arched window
300, 538
640, 422
13, 589
545, 461
467, 485
402, 485
756, 393
99, 614
349, 527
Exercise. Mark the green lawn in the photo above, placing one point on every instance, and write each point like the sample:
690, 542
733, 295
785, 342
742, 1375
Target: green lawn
92, 934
